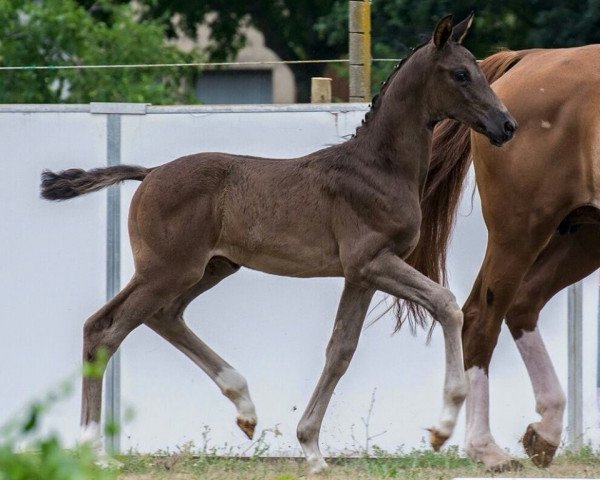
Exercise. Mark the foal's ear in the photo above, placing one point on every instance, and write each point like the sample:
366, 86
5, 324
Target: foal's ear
442, 31
461, 29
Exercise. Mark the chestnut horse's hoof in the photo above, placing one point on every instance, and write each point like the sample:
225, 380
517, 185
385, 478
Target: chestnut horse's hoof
247, 427
437, 438
539, 450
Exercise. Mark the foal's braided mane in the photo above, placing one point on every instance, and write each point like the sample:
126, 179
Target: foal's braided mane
377, 98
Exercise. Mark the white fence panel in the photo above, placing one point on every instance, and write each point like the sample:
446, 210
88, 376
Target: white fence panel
52, 273
273, 329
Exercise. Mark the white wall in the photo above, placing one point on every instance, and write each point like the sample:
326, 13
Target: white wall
273, 329
52, 257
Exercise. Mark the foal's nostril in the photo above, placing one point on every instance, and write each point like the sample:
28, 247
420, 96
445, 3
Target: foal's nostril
509, 129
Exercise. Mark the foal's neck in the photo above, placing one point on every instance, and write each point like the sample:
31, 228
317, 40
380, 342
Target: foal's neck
399, 133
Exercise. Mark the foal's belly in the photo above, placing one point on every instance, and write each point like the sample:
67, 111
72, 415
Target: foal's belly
290, 261
289, 238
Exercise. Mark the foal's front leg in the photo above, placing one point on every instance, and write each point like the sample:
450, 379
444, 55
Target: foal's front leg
342, 345
390, 274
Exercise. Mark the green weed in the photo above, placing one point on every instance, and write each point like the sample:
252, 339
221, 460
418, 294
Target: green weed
25, 454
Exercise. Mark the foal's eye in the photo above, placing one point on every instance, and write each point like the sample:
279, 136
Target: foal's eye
460, 75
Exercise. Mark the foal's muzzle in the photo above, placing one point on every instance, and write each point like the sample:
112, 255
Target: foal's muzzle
499, 129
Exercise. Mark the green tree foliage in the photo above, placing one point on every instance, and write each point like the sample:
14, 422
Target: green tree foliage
317, 29
109, 31
288, 27
516, 24
62, 32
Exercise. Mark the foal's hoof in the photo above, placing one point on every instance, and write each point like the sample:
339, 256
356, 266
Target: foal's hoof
316, 465
510, 465
539, 450
247, 426
437, 438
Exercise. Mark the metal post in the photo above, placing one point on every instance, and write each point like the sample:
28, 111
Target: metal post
112, 399
575, 383
359, 41
598, 352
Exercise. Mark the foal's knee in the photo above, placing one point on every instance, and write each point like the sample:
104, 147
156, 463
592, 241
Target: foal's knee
522, 317
457, 393
448, 313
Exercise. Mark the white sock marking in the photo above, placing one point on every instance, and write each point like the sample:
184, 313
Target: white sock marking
549, 396
234, 386
480, 443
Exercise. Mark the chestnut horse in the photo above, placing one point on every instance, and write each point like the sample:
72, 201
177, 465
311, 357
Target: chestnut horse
540, 197
351, 210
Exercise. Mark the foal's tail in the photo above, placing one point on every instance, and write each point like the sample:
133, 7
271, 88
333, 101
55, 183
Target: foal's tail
450, 161
75, 181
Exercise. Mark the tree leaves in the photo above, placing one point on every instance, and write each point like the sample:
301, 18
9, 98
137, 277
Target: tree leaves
62, 32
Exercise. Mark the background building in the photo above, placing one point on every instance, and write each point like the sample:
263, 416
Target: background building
243, 84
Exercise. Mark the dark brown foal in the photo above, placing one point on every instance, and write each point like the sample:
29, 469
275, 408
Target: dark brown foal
351, 210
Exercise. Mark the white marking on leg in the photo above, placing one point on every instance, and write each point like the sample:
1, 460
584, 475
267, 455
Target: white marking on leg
91, 434
316, 462
308, 435
480, 443
235, 387
478, 421
455, 385
549, 397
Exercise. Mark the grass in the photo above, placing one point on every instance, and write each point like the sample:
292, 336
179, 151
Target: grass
46, 459
417, 465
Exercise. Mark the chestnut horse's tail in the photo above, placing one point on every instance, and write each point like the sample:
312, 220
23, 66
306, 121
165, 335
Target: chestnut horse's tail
75, 181
450, 161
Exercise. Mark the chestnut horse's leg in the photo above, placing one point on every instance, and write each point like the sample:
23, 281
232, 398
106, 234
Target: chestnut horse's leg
503, 270
542, 438
349, 320
170, 325
390, 274
565, 260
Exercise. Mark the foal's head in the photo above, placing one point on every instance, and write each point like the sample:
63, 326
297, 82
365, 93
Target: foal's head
458, 88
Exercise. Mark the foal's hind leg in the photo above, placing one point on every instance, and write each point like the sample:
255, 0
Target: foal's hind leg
342, 345
565, 260
169, 324
106, 329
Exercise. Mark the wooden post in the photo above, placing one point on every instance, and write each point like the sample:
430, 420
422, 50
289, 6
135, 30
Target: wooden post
320, 90
359, 30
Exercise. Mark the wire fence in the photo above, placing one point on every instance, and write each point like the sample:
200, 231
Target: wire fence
184, 65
